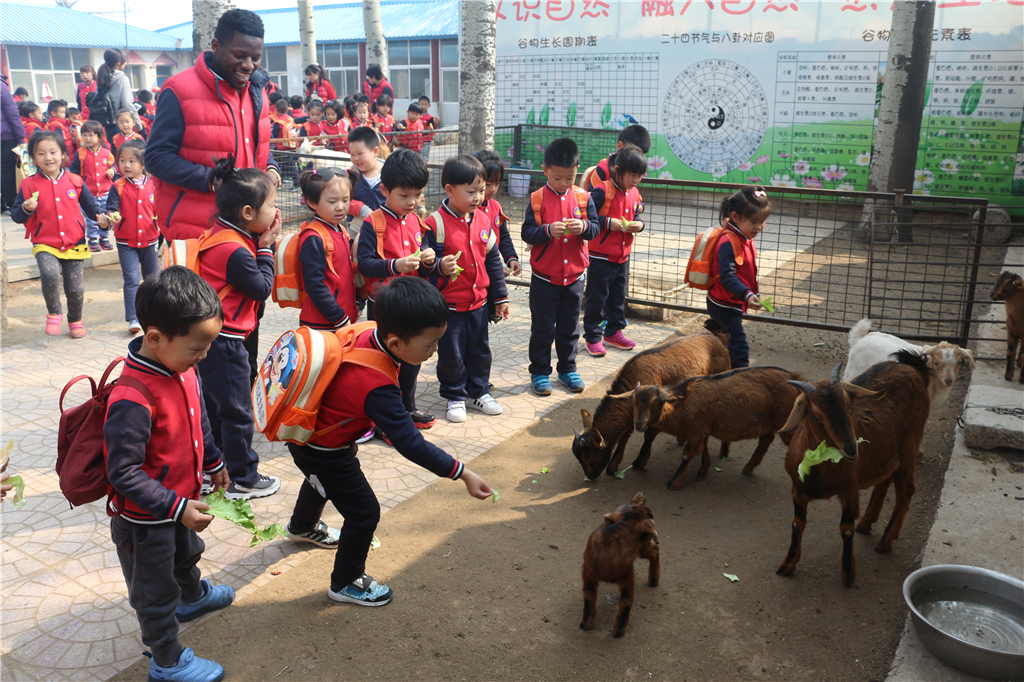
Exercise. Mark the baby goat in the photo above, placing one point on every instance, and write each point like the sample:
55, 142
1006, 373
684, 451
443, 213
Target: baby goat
626, 534
888, 407
868, 348
752, 402
1010, 288
668, 363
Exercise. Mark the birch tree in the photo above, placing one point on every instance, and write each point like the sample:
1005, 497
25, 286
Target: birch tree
376, 43
898, 131
477, 77
307, 33
205, 15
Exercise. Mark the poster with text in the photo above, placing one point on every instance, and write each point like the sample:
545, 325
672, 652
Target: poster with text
770, 92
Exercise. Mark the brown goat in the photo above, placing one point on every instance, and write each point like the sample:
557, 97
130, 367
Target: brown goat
888, 407
627, 533
751, 402
669, 363
1010, 288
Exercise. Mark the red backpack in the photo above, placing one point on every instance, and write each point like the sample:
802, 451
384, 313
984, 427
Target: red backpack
81, 466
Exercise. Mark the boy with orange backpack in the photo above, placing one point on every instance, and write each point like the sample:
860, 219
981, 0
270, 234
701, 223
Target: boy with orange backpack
283, 126
412, 316
559, 222
620, 204
389, 246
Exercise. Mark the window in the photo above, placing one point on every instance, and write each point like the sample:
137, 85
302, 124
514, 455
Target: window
449, 71
162, 73
136, 75
36, 65
409, 68
341, 61
275, 62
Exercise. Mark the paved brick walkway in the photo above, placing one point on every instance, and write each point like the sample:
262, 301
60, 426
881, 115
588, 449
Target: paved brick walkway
65, 615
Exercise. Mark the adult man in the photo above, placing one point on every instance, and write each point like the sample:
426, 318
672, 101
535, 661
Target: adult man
376, 85
216, 108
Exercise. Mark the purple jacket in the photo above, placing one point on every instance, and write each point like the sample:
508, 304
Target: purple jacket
11, 127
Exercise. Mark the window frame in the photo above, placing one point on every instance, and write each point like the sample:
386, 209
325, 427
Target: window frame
45, 73
343, 73
401, 69
279, 76
447, 72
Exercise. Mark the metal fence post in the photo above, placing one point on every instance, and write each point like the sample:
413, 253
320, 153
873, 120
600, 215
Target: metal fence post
517, 144
972, 283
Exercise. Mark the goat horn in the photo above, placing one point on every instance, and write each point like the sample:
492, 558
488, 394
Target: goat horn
804, 386
575, 432
836, 372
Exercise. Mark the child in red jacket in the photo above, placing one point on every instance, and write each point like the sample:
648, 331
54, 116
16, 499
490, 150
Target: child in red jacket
95, 163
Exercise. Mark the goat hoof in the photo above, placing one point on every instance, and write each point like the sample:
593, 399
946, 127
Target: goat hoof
748, 473
702, 474
848, 582
863, 530
653, 583
672, 487
619, 633
880, 549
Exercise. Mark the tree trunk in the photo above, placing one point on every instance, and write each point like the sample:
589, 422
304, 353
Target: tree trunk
898, 132
307, 34
477, 76
376, 44
205, 15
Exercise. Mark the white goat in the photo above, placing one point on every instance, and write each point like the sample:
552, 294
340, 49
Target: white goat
868, 348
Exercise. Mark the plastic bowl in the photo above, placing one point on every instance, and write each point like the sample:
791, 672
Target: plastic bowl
970, 617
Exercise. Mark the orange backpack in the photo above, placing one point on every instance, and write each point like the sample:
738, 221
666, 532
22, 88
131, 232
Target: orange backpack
287, 291
186, 252
698, 268
289, 129
537, 201
301, 364
588, 176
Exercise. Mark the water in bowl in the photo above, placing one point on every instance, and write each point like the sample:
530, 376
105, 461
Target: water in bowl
974, 617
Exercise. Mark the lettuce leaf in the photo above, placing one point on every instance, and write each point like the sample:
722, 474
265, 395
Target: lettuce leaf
5, 453
458, 270
767, 304
240, 513
19, 489
35, 196
621, 474
820, 454
495, 496
732, 577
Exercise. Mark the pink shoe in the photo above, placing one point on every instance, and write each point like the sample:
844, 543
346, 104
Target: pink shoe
620, 341
77, 329
596, 349
53, 324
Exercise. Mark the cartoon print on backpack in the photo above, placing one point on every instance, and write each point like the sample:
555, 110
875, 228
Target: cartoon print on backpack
279, 366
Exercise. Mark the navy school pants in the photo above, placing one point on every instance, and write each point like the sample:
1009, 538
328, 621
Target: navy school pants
464, 356
555, 316
407, 374
606, 299
739, 350
228, 395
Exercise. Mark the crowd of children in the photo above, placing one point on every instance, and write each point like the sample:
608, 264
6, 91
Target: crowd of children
429, 285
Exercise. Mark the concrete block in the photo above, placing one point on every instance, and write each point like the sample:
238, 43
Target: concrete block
993, 418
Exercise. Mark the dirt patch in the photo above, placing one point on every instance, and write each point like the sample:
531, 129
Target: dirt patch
493, 591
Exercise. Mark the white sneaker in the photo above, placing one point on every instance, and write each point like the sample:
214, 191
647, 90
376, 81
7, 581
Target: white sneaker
134, 327
486, 404
457, 411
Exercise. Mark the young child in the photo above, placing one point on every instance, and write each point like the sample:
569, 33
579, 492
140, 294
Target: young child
147, 112
328, 283
619, 203
464, 353
411, 124
242, 263
155, 450
75, 127
411, 318
283, 126
430, 122
361, 114
56, 229
88, 85
635, 135
559, 260
743, 215
335, 123
314, 126
31, 117
58, 122
402, 179
494, 173
364, 148
126, 124
95, 163
137, 233
297, 112
383, 121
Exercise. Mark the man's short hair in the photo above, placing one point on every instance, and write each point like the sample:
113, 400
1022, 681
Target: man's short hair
562, 153
366, 135
241, 21
408, 306
374, 71
404, 169
175, 300
637, 136
461, 170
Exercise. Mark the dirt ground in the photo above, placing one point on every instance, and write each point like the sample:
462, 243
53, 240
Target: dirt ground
492, 591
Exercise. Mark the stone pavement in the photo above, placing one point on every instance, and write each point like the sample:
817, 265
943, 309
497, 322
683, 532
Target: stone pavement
65, 614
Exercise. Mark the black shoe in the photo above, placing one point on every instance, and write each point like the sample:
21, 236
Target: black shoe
422, 420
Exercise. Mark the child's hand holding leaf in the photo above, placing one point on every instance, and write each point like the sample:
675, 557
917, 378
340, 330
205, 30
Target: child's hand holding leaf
448, 265
557, 230
427, 257
407, 264
31, 203
767, 304
574, 226
457, 270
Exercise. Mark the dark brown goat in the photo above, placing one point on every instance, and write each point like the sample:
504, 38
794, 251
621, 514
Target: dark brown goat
752, 402
1010, 288
888, 407
669, 363
626, 534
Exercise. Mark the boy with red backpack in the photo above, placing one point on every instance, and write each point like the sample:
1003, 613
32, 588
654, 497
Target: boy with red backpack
157, 447
412, 316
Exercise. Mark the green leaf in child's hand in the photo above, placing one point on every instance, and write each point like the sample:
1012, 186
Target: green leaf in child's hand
733, 578
458, 270
115, 216
240, 513
374, 543
267, 534
19, 489
35, 196
5, 453
495, 496
767, 304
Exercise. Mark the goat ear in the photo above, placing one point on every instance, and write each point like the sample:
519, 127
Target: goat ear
855, 391
665, 396
612, 518
597, 439
640, 498
628, 395
796, 415
968, 355
928, 350
588, 421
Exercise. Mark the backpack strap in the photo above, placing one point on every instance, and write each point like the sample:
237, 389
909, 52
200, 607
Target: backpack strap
609, 194
536, 203
208, 241
372, 359
582, 198
82, 153
380, 223
438, 232
585, 178
737, 245
139, 386
321, 232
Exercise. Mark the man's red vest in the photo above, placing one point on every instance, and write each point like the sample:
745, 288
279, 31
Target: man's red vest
94, 165
138, 214
57, 220
213, 130
615, 247
469, 290
563, 259
402, 237
339, 280
174, 453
